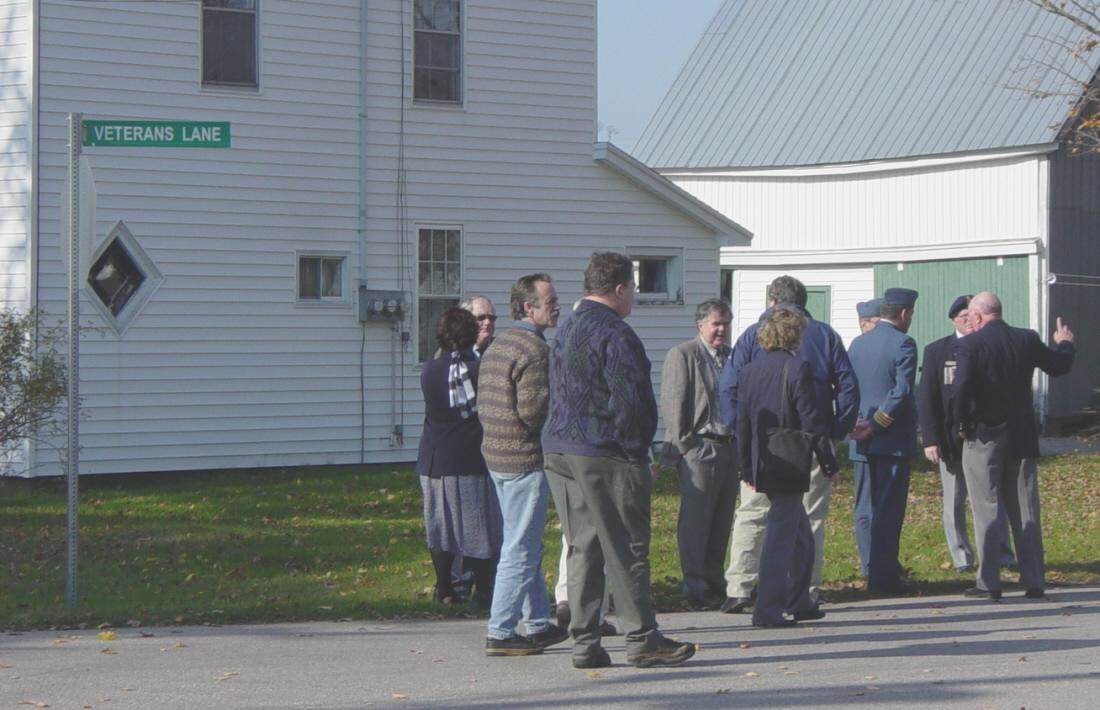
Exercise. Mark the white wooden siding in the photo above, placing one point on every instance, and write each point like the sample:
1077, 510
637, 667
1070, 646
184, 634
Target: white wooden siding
848, 286
979, 201
222, 368
15, 150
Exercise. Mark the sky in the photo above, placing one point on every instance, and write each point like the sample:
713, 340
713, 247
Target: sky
642, 46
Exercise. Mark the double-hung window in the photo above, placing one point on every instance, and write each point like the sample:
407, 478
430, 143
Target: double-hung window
439, 282
229, 42
437, 50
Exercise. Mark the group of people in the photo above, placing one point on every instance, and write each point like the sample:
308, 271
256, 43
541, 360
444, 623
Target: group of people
512, 420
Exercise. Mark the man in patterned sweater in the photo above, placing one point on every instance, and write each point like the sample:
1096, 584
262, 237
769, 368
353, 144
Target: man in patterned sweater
512, 400
603, 416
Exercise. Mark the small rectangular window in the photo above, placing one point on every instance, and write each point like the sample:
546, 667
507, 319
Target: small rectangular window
229, 42
437, 50
658, 275
439, 282
320, 278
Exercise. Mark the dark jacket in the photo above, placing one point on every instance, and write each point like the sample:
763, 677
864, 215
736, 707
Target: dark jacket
936, 398
834, 383
994, 375
759, 408
601, 393
450, 445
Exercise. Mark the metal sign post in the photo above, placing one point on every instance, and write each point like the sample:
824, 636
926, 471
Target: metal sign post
72, 460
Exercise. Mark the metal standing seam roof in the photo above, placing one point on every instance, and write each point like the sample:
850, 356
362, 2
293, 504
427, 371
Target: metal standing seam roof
812, 82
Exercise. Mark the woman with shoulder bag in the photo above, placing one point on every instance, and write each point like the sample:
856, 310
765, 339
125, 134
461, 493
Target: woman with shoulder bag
779, 431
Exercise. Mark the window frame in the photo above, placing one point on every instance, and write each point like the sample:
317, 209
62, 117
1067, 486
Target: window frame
460, 102
344, 300
231, 87
674, 257
457, 298
144, 293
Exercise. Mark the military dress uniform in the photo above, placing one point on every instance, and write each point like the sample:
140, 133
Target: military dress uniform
885, 362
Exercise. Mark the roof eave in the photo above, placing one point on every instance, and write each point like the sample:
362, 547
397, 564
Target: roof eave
731, 233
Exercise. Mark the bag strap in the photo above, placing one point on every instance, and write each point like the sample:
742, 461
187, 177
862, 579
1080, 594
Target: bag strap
783, 394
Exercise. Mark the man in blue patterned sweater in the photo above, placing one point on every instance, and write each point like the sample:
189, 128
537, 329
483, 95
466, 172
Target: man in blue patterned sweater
596, 440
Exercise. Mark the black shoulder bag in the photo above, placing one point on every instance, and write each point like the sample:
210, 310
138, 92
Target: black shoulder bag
790, 452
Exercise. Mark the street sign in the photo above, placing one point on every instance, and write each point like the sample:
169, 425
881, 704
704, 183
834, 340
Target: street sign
157, 134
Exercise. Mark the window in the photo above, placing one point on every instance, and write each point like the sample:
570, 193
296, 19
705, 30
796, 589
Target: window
658, 275
122, 278
437, 50
439, 268
229, 42
321, 278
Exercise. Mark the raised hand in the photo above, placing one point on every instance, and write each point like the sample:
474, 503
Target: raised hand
1062, 333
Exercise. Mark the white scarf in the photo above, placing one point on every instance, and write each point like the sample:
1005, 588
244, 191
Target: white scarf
462, 394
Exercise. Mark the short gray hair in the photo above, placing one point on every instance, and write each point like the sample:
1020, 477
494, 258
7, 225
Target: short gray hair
704, 309
467, 304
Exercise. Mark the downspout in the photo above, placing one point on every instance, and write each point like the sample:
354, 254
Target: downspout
362, 225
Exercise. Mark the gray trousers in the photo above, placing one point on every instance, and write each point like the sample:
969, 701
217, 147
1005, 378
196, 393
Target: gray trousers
748, 533
604, 507
1001, 486
708, 493
954, 518
786, 561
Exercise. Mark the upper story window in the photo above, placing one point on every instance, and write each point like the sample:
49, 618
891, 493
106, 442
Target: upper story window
437, 50
229, 42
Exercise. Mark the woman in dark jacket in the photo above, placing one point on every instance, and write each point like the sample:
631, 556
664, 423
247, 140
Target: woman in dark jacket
776, 390
461, 512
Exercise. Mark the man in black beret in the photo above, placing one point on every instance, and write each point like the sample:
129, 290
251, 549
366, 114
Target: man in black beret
940, 435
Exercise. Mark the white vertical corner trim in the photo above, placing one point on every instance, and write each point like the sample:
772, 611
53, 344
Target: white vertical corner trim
1041, 317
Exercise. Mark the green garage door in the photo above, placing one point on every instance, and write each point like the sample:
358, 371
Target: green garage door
939, 282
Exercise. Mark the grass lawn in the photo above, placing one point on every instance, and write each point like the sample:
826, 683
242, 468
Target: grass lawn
345, 542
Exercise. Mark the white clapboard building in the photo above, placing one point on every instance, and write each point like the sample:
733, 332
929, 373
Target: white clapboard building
423, 150
872, 144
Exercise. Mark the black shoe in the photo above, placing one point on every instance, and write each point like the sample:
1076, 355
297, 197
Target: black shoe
666, 653
781, 624
898, 588
594, 659
707, 602
608, 629
552, 635
1035, 593
515, 646
812, 614
562, 615
446, 597
979, 593
736, 605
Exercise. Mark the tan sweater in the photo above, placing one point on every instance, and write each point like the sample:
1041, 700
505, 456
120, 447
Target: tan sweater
512, 399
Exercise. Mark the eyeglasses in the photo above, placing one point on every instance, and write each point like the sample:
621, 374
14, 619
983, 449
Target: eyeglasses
487, 317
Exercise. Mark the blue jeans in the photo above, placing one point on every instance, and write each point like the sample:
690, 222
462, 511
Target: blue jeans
520, 589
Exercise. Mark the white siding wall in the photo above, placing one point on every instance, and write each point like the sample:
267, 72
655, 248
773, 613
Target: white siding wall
15, 149
942, 205
221, 368
513, 167
848, 286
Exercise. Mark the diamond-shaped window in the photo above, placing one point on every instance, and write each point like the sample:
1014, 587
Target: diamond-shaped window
122, 278
115, 277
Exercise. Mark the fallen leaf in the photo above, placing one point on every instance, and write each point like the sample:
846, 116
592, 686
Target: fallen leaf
752, 674
188, 578
869, 677
594, 674
128, 690
399, 696
5, 666
147, 635
856, 694
725, 691
1022, 659
179, 644
107, 636
108, 651
790, 672
227, 675
744, 644
35, 703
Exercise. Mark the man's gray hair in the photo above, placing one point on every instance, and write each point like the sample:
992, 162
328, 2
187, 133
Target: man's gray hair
467, 304
787, 289
711, 305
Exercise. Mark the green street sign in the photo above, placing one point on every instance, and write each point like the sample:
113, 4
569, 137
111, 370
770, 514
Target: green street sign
157, 134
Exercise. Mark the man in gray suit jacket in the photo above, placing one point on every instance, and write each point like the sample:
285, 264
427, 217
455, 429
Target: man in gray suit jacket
701, 447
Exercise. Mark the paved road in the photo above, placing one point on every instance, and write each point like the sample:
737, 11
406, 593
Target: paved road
930, 651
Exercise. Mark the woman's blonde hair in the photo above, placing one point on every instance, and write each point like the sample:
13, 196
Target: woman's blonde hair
782, 330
